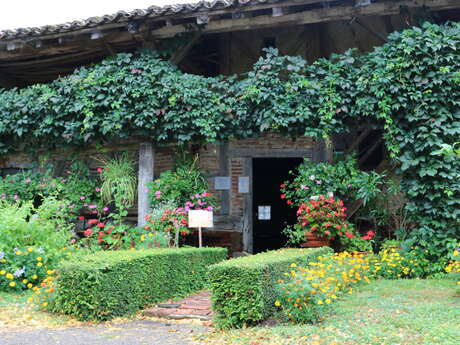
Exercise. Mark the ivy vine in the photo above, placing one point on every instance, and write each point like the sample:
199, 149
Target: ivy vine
410, 87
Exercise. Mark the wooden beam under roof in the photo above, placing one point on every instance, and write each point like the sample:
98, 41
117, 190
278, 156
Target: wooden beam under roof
309, 17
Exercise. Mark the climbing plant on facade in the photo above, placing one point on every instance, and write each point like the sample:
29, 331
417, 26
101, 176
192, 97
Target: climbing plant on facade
410, 87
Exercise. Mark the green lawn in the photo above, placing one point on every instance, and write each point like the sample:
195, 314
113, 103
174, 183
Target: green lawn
386, 312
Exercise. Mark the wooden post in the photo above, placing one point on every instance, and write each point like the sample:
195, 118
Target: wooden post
146, 168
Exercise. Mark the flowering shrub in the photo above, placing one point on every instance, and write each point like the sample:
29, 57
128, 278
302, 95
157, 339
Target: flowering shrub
396, 264
453, 268
172, 223
306, 292
324, 217
23, 268
76, 187
343, 179
357, 243
179, 185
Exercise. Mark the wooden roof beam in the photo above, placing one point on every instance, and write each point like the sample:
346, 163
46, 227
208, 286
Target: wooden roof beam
309, 17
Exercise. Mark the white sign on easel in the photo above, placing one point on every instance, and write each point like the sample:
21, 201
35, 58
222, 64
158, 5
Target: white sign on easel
200, 219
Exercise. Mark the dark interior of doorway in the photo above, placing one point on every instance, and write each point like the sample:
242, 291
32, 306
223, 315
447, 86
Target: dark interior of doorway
268, 175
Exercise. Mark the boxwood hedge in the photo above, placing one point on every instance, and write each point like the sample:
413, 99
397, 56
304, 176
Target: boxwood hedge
243, 289
105, 285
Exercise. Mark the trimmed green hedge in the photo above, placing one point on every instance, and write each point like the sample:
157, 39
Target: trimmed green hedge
105, 285
243, 289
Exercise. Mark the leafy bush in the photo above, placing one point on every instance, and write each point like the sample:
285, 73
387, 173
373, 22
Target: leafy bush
244, 289
105, 285
306, 292
22, 225
184, 187
356, 243
77, 187
23, 268
343, 179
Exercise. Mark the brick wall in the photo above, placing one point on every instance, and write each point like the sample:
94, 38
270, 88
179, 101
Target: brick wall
210, 161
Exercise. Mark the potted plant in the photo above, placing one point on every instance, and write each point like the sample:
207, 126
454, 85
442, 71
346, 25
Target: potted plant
321, 220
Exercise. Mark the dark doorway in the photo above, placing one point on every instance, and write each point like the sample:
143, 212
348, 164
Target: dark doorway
271, 213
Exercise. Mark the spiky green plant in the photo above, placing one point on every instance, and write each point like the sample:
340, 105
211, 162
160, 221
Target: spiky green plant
119, 181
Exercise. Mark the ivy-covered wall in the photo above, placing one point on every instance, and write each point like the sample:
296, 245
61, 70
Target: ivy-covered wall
410, 87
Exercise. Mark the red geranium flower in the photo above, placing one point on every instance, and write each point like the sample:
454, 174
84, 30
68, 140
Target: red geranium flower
93, 221
88, 232
283, 196
100, 225
81, 218
349, 234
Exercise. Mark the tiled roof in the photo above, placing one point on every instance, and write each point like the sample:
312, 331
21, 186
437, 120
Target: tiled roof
122, 16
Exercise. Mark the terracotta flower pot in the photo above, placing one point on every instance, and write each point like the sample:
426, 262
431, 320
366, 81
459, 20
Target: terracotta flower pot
314, 241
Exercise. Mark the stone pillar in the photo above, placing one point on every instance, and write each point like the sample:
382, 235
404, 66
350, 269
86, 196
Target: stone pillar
146, 169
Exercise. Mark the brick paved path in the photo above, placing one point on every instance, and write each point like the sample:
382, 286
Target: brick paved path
197, 306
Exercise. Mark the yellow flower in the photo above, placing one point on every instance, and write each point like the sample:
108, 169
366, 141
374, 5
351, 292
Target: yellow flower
277, 303
30, 250
34, 276
29, 286
293, 265
39, 264
142, 237
150, 235
9, 276
12, 284
319, 302
328, 301
39, 258
2, 272
50, 272
45, 304
18, 252
24, 281
30, 299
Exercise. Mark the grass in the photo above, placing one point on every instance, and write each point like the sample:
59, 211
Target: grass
385, 312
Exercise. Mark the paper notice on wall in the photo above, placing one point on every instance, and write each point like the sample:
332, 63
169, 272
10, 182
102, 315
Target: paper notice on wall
264, 212
222, 183
243, 184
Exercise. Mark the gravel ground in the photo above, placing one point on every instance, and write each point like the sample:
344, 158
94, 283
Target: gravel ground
145, 332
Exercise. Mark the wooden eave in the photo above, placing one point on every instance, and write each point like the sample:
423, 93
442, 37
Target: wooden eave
42, 58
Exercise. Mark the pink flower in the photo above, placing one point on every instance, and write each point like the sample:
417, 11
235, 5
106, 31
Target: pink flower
99, 170
92, 206
82, 198
158, 194
318, 182
15, 197
73, 240
28, 180
105, 209
98, 189
88, 232
210, 208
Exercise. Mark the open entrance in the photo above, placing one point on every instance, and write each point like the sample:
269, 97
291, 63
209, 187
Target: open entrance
271, 213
